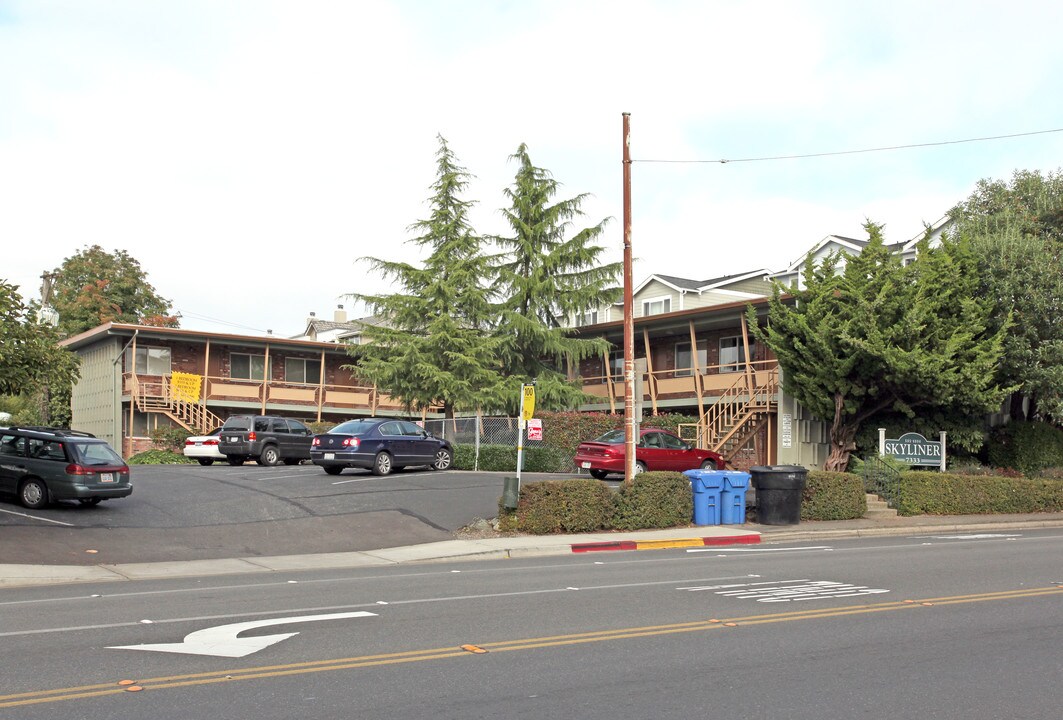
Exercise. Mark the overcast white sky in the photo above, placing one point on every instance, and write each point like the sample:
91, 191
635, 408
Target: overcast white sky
247, 154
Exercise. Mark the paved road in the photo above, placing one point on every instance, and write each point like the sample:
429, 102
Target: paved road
950, 627
190, 512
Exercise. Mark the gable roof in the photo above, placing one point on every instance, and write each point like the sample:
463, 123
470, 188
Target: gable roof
699, 286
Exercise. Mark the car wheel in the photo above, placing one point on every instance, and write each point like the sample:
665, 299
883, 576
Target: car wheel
382, 464
333, 469
443, 459
90, 501
33, 493
640, 467
205, 461
270, 456
708, 465
598, 474
235, 460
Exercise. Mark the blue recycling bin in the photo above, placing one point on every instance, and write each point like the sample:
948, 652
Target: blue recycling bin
706, 486
733, 498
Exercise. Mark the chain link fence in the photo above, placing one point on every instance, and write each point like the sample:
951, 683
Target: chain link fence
481, 433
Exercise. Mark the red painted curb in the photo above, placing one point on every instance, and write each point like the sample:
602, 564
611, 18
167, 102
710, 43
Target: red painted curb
733, 540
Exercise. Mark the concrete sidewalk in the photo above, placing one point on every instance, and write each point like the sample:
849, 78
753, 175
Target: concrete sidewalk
529, 546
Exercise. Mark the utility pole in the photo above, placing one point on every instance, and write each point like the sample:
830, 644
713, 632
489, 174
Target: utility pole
629, 321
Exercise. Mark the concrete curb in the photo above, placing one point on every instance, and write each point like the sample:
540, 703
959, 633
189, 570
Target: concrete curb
750, 539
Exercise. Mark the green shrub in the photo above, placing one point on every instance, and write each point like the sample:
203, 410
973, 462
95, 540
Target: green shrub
833, 496
170, 438
929, 493
1026, 446
160, 457
560, 506
654, 500
503, 458
320, 427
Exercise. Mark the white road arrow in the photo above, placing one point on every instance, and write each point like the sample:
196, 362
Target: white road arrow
222, 641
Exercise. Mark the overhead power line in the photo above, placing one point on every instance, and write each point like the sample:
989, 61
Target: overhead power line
724, 161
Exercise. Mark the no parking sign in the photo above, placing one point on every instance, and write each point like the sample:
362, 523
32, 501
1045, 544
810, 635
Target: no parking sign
535, 429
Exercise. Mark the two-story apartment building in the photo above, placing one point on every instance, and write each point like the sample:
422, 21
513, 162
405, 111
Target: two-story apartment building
136, 378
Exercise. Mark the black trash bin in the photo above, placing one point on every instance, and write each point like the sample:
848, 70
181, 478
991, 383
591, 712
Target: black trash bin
779, 489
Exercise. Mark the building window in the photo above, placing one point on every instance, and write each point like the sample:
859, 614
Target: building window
144, 423
149, 360
588, 318
733, 356
299, 370
616, 364
657, 306
683, 365
247, 367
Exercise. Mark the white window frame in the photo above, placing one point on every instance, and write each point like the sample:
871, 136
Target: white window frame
150, 359
665, 302
688, 370
250, 366
303, 362
737, 357
589, 317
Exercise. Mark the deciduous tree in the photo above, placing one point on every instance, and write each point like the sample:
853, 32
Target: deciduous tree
94, 287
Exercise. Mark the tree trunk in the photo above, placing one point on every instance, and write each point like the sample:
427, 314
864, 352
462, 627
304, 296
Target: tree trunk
1016, 411
842, 439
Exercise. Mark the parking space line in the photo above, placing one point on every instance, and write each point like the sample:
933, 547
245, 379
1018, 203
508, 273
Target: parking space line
34, 517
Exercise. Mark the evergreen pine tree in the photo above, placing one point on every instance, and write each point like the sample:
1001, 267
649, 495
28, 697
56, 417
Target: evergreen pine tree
431, 345
547, 275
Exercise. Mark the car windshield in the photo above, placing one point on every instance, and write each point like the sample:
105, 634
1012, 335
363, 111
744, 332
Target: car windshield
96, 454
611, 437
354, 427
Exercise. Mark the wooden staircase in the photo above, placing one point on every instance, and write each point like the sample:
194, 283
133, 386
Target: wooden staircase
731, 424
158, 397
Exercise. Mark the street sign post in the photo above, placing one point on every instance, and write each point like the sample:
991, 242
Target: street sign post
527, 409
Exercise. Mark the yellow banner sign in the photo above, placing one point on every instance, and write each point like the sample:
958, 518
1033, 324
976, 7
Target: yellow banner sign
185, 386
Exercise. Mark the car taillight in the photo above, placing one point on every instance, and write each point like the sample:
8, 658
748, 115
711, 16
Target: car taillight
611, 452
75, 469
209, 442
251, 436
351, 443
315, 442
189, 442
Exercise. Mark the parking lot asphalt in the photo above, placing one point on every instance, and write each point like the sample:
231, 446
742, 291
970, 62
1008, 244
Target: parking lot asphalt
190, 512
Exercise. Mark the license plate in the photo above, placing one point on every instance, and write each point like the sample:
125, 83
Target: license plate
106, 477
585, 465
330, 456
234, 439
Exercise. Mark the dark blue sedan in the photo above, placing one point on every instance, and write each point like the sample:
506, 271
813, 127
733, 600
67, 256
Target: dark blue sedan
380, 445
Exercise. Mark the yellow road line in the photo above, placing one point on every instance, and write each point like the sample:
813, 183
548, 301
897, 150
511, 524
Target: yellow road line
269, 671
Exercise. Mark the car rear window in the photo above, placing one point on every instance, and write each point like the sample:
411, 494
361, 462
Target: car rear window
354, 427
613, 436
95, 454
237, 423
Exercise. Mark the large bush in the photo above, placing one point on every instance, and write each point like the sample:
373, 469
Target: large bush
653, 500
930, 493
560, 506
1026, 446
503, 458
170, 438
833, 496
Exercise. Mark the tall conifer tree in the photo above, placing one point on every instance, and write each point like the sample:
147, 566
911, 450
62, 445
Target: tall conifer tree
432, 344
546, 275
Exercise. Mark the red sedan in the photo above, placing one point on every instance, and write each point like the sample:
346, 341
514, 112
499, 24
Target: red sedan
657, 450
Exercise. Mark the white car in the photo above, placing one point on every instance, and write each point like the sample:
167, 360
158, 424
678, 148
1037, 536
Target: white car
204, 448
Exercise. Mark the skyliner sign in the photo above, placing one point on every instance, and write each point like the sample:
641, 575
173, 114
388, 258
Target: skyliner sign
913, 449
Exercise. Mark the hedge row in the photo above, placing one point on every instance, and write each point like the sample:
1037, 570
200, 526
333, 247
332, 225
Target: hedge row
654, 500
931, 493
833, 496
